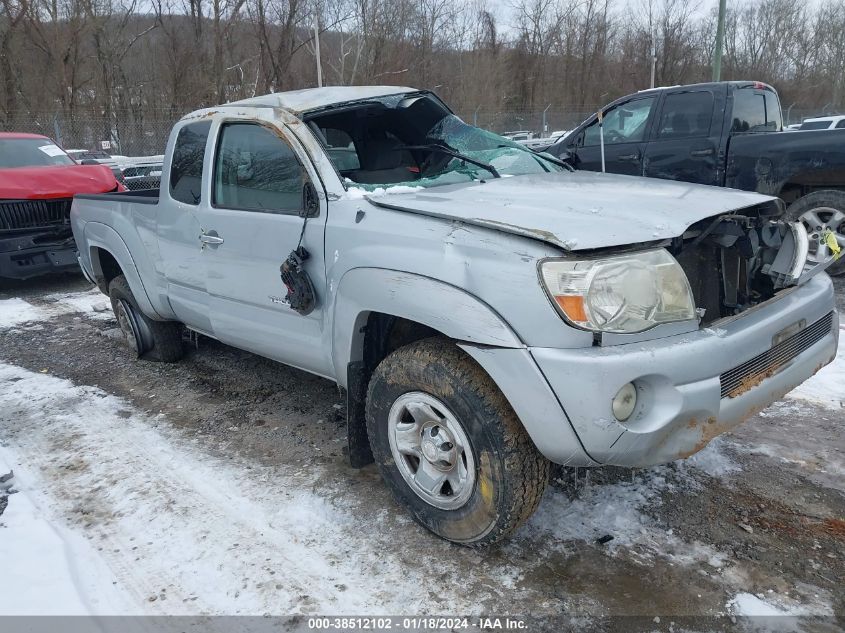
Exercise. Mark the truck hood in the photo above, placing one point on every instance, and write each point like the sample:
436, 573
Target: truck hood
576, 211
61, 181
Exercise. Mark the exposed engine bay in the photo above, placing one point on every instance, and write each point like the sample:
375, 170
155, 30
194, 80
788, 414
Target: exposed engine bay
756, 255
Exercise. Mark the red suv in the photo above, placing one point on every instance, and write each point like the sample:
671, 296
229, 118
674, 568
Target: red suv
37, 183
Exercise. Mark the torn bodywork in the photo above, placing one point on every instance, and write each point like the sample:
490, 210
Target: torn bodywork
755, 255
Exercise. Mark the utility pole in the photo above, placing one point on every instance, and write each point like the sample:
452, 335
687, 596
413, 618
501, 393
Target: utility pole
653, 58
317, 50
720, 38
653, 44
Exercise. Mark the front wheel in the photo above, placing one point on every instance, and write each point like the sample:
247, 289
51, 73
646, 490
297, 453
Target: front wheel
449, 446
819, 212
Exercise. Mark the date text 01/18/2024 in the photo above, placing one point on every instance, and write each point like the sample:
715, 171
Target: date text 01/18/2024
411, 623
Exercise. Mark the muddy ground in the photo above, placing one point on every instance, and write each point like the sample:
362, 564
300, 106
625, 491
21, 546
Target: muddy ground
762, 512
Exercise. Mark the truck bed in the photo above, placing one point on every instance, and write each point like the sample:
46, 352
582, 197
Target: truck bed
140, 196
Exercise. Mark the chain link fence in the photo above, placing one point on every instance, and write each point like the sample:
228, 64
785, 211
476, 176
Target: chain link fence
137, 134
145, 134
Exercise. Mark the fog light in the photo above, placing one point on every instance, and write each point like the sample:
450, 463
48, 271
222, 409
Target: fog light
624, 402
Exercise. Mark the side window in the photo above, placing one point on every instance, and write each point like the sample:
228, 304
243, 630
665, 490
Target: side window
625, 123
186, 168
755, 110
255, 170
686, 115
841, 125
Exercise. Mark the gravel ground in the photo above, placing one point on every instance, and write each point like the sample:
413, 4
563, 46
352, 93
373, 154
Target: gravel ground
761, 511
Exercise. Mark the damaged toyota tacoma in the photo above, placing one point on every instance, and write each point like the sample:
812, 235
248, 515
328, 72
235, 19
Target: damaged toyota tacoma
37, 183
487, 310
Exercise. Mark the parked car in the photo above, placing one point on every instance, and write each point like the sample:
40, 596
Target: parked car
824, 123
487, 310
727, 134
520, 135
37, 183
140, 175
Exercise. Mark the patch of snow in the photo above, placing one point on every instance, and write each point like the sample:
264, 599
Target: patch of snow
18, 312
827, 387
713, 460
619, 510
14, 312
747, 604
357, 193
184, 532
92, 303
47, 569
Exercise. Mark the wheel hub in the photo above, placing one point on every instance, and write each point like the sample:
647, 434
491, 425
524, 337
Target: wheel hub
126, 322
818, 222
431, 450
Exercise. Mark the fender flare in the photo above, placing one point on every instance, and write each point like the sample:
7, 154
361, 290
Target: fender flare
438, 305
99, 235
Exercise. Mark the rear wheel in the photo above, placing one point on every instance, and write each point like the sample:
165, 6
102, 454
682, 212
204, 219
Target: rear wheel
449, 446
146, 338
820, 211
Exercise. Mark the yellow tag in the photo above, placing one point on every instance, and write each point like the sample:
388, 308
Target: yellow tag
832, 244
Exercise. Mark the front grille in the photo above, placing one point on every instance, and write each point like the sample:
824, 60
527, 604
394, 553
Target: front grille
751, 373
33, 214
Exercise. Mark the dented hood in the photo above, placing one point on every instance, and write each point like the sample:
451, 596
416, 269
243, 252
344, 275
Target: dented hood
576, 211
61, 181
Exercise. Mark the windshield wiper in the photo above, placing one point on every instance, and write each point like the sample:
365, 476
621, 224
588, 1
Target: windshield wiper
443, 149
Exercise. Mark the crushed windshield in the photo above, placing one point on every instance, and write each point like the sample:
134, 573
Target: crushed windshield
414, 141
29, 152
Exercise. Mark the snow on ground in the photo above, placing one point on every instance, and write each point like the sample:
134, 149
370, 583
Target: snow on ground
41, 558
14, 312
183, 532
827, 387
93, 303
186, 533
773, 605
17, 312
619, 510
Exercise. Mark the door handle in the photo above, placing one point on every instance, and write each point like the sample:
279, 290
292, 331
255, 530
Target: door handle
630, 157
211, 238
697, 153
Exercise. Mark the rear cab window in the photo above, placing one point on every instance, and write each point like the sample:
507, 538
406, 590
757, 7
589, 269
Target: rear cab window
755, 109
187, 164
685, 115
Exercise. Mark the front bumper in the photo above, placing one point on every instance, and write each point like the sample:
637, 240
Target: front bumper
35, 254
682, 403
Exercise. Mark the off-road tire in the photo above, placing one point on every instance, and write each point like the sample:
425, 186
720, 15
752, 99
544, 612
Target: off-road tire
164, 342
511, 475
830, 198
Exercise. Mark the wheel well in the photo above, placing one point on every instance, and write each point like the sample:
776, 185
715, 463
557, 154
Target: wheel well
385, 333
793, 190
108, 268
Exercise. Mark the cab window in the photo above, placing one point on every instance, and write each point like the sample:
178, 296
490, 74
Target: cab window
755, 110
686, 115
255, 170
187, 163
625, 123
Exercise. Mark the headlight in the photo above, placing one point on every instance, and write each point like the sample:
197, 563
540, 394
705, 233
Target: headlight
625, 294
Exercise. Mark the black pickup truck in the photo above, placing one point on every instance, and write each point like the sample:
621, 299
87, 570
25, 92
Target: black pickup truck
728, 134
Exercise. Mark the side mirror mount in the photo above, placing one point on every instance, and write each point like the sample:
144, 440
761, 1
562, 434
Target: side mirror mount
310, 200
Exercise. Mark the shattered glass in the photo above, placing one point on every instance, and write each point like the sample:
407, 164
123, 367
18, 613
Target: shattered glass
506, 157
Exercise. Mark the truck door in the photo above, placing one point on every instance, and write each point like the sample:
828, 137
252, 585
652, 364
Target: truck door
626, 126
249, 226
178, 227
685, 139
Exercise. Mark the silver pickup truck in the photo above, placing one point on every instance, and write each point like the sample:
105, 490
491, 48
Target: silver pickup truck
487, 310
